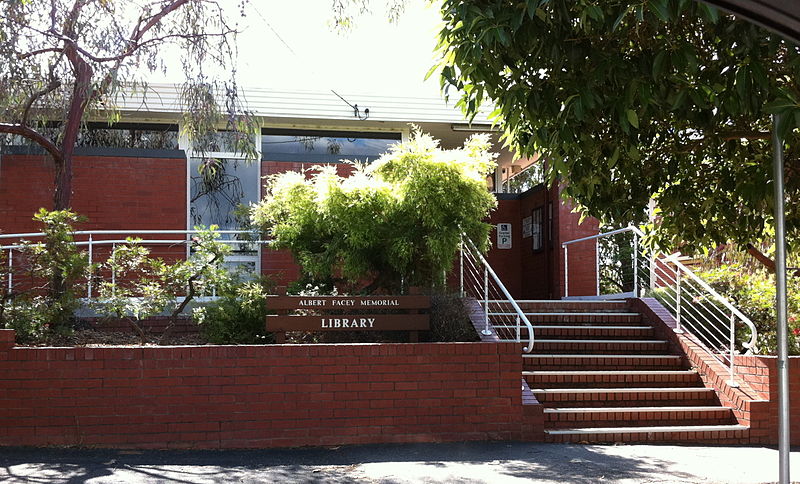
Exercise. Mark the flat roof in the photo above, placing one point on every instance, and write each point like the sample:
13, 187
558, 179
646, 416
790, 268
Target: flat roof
310, 105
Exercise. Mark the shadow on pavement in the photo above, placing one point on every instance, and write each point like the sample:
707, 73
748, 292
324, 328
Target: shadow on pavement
470, 462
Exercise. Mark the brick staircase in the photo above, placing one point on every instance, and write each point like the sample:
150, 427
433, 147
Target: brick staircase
602, 375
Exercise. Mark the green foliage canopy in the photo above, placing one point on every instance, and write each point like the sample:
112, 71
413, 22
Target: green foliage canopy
629, 100
398, 220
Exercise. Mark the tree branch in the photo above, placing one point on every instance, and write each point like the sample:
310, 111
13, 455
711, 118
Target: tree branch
52, 86
36, 137
39, 51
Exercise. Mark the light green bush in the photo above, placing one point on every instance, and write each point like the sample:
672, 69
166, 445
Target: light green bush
396, 222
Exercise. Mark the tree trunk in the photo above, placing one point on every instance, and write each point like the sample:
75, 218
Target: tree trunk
81, 94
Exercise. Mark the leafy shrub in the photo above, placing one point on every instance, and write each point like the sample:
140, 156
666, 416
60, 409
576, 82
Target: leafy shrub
47, 278
238, 316
145, 286
753, 293
396, 222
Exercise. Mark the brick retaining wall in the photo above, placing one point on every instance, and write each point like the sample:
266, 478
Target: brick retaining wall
258, 396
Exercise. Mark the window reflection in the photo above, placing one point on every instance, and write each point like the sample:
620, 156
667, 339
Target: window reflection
322, 146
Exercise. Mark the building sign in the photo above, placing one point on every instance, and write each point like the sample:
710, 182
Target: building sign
503, 236
347, 313
527, 227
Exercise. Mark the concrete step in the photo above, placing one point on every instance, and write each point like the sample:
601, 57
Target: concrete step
573, 361
587, 331
665, 433
590, 417
569, 306
626, 397
612, 378
506, 316
600, 346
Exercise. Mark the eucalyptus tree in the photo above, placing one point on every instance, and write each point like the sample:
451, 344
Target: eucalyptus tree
63, 61
631, 101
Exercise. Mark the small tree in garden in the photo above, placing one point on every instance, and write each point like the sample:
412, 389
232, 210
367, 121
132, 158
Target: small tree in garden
396, 222
145, 286
40, 290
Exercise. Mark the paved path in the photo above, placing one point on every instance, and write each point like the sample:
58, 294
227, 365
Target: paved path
494, 462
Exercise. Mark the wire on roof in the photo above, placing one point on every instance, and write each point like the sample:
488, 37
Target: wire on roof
356, 110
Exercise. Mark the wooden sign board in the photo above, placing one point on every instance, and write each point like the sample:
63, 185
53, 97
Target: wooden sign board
348, 302
349, 322
341, 313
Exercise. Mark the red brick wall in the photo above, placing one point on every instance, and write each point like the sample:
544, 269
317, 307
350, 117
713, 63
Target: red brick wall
258, 396
582, 256
761, 374
540, 275
506, 262
112, 192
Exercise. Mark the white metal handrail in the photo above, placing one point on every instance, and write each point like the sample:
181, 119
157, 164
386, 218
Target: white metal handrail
698, 309
472, 264
91, 243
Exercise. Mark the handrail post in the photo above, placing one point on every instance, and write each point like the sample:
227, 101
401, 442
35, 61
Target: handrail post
732, 369
566, 270
486, 331
461, 268
10, 269
519, 337
597, 265
635, 264
114, 271
89, 282
678, 301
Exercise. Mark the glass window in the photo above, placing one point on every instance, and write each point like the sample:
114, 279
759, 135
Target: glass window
130, 135
218, 187
324, 146
536, 228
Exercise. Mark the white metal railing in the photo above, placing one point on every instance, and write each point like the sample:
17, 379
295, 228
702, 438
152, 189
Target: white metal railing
479, 281
91, 242
700, 311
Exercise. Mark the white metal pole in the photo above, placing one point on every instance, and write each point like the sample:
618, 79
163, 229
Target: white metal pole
461, 268
10, 269
732, 369
486, 331
597, 266
566, 270
635, 265
114, 271
780, 305
678, 301
89, 283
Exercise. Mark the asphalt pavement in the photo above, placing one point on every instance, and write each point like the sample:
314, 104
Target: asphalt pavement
473, 462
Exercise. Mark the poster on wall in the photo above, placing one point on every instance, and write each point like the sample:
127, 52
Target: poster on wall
527, 227
503, 236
